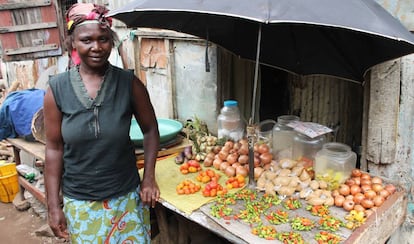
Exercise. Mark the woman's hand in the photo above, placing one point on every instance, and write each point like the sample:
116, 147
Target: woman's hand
57, 222
150, 193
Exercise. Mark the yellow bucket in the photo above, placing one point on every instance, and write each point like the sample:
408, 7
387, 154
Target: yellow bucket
9, 184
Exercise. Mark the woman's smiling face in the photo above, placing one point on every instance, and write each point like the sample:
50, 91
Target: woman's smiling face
93, 44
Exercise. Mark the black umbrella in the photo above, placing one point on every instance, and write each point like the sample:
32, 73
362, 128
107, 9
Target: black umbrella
341, 38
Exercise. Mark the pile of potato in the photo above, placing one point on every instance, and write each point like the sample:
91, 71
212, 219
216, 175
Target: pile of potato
289, 176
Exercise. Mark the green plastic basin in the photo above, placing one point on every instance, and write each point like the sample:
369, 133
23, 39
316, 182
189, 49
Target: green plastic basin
168, 129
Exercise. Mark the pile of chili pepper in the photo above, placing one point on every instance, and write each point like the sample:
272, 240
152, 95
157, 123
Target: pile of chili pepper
325, 237
220, 211
318, 210
302, 223
292, 203
267, 232
290, 237
330, 223
270, 200
278, 217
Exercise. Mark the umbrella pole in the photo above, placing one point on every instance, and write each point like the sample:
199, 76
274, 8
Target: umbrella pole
256, 73
251, 132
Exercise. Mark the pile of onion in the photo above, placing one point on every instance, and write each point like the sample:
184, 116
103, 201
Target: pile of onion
362, 192
233, 157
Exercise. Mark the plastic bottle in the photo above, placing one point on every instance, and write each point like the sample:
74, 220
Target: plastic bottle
283, 137
229, 122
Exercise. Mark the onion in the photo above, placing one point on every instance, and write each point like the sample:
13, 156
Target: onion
365, 187
229, 144
217, 162
223, 154
370, 194
367, 203
358, 197
243, 150
339, 200
359, 208
384, 193
350, 182
335, 193
356, 173
232, 158
354, 189
365, 176
348, 205
230, 171
378, 200
257, 172
263, 148
377, 187
376, 180
344, 190
241, 171
224, 165
366, 182
266, 157
357, 180
257, 162
390, 188
235, 165
243, 159
208, 161
237, 146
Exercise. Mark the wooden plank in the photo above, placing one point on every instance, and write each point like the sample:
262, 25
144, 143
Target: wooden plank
383, 113
381, 224
39, 195
36, 26
32, 49
35, 149
31, 4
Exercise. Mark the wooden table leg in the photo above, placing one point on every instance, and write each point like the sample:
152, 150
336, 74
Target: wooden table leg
162, 222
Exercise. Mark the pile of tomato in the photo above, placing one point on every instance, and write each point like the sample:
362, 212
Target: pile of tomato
207, 176
213, 188
237, 181
187, 187
192, 166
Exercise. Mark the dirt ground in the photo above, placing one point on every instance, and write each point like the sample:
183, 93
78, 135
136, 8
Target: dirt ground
20, 226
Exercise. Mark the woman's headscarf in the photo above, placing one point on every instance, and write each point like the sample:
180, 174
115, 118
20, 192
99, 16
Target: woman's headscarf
85, 13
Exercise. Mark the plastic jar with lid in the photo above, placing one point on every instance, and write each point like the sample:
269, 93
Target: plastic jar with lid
229, 122
305, 147
282, 137
334, 163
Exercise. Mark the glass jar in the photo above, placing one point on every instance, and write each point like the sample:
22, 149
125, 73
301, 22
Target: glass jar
264, 132
334, 163
229, 122
305, 148
283, 137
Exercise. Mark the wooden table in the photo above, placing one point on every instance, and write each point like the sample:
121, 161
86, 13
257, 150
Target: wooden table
37, 150
377, 229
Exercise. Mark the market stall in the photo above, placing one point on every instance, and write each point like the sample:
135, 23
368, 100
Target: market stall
226, 210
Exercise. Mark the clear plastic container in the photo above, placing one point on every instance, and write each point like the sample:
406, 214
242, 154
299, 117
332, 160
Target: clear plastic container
229, 122
283, 137
334, 163
305, 148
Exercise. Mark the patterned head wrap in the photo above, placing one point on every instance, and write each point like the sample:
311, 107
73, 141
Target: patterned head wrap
87, 13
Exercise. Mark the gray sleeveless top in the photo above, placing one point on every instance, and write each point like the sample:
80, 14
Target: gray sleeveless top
99, 159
